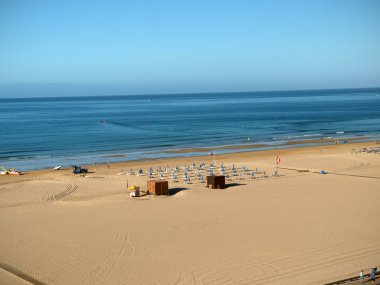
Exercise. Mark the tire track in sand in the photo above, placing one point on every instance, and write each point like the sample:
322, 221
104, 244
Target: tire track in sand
19, 274
188, 278
71, 188
270, 268
299, 266
121, 247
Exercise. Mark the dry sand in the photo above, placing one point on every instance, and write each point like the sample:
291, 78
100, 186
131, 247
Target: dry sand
299, 228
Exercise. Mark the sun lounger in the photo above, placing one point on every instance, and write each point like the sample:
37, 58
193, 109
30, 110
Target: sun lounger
187, 180
201, 179
228, 177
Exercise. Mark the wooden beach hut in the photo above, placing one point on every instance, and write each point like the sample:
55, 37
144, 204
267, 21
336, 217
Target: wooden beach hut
158, 187
216, 181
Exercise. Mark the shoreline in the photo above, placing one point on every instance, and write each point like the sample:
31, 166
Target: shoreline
172, 161
117, 158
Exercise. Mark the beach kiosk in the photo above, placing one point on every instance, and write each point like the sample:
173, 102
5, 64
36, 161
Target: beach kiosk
158, 187
216, 181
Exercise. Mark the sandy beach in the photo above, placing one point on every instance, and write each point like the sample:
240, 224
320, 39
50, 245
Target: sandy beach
299, 228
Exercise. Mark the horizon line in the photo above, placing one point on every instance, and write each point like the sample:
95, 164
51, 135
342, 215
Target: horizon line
185, 93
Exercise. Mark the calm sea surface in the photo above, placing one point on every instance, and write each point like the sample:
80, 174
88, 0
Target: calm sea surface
44, 132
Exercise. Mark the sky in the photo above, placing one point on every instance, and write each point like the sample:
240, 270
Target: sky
73, 48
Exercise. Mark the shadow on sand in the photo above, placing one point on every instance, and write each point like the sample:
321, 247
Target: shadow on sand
173, 191
233, 185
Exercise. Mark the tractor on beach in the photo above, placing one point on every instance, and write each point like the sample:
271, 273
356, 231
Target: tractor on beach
79, 169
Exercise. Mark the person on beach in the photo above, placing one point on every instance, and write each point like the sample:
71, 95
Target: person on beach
372, 277
361, 276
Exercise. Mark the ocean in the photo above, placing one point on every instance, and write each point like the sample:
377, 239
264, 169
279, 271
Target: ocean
38, 133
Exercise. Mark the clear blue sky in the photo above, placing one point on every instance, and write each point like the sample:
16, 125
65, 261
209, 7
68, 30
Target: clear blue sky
58, 48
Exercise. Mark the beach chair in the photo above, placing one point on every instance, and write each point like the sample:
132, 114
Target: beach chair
131, 172
187, 180
228, 177
140, 172
173, 178
150, 174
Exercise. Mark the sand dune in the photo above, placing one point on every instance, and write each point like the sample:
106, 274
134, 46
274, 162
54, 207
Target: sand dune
299, 228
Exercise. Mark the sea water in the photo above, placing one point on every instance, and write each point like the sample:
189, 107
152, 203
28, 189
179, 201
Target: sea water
44, 132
